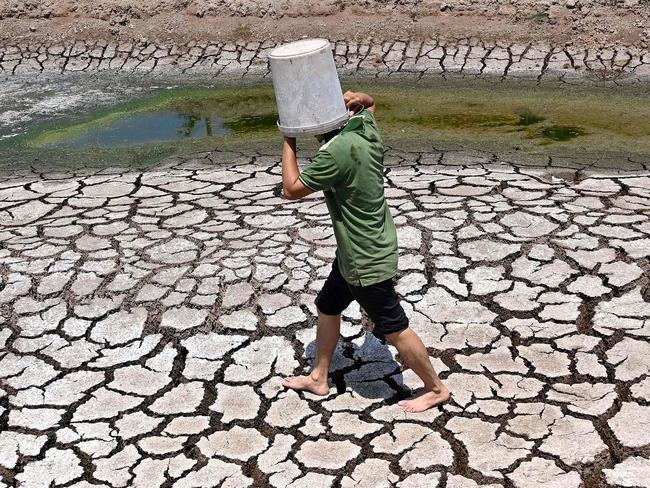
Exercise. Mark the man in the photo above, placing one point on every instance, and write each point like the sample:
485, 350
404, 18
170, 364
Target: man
349, 169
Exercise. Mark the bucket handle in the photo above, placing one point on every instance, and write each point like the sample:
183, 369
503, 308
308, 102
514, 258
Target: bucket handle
358, 111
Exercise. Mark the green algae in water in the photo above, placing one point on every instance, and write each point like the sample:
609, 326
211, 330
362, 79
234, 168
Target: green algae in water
562, 132
177, 121
501, 117
253, 123
451, 120
526, 117
472, 115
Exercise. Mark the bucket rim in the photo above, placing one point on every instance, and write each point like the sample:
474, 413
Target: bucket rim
322, 128
325, 44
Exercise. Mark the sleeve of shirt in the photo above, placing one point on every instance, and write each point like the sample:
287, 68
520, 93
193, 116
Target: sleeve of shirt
322, 173
369, 117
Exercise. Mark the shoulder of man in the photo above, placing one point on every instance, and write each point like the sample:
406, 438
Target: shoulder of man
339, 147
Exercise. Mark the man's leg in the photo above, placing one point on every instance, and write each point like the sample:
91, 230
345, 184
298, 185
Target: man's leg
416, 357
327, 336
381, 303
333, 298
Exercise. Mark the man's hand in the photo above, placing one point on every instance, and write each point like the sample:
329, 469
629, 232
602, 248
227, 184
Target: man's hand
357, 101
292, 187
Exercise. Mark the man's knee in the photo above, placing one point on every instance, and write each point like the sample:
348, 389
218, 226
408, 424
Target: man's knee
330, 302
390, 334
328, 313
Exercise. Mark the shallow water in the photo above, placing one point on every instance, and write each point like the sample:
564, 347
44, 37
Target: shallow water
147, 128
524, 119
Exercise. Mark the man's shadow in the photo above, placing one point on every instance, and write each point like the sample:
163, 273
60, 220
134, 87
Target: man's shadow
368, 370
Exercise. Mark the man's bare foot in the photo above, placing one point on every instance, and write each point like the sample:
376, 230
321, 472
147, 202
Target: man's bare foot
424, 401
317, 387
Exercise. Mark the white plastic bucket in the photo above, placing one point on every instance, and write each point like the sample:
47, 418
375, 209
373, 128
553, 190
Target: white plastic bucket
307, 88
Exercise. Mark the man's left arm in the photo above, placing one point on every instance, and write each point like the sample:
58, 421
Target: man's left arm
292, 187
354, 100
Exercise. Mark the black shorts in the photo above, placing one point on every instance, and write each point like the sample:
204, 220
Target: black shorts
379, 300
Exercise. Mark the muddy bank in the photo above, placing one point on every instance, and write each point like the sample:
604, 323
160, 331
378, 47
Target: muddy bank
585, 23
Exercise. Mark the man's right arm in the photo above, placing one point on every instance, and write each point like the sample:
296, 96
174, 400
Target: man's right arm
292, 186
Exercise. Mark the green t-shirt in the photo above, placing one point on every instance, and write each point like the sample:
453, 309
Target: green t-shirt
349, 168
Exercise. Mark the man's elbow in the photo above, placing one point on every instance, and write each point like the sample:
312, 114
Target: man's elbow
295, 190
289, 194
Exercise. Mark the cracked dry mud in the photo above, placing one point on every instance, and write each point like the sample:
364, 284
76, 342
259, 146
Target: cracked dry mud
148, 318
435, 56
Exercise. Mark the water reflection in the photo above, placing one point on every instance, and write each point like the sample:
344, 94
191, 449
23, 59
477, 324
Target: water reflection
193, 123
144, 128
